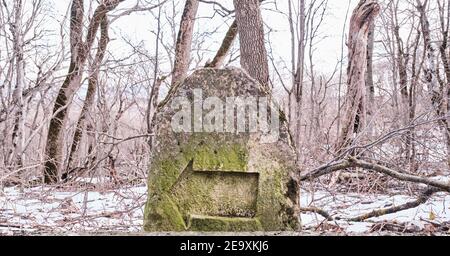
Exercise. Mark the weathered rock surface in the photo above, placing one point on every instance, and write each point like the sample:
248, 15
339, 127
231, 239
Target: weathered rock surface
219, 181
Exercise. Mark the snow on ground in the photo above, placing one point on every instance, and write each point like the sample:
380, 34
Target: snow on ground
436, 210
46, 209
59, 211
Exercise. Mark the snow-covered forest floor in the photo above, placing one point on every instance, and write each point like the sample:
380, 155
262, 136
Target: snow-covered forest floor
53, 210
429, 218
59, 210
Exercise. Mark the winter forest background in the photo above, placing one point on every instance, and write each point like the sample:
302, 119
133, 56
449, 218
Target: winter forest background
80, 82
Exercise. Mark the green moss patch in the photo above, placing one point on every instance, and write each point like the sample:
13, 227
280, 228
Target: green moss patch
211, 224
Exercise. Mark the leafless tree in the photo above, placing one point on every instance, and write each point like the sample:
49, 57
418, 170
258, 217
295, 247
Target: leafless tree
355, 104
80, 49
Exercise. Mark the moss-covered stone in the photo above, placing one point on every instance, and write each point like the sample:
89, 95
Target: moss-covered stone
211, 224
219, 181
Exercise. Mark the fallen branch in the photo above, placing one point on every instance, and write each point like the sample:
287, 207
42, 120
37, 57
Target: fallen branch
324, 170
10, 226
321, 212
354, 163
410, 205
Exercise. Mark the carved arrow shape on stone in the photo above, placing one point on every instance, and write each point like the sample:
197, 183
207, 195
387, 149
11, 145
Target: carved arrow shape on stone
214, 195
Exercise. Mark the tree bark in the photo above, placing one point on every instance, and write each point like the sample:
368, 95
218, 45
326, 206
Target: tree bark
355, 103
370, 87
401, 62
445, 57
298, 78
251, 38
79, 52
224, 49
402, 57
91, 91
16, 157
436, 93
184, 41
412, 106
152, 104
430, 70
290, 92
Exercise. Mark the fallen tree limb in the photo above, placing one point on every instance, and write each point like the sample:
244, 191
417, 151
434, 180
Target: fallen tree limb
6, 225
377, 213
423, 198
321, 212
353, 163
326, 169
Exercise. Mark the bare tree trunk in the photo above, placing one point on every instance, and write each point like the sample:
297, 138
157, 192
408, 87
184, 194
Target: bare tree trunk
79, 52
355, 103
16, 157
224, 49
184, 41
392, 47
91, 91
152, 104
183, 47
401, 59
299, 74
443, 49
152, 108
370, 87
436, 93
430, 70
445, 57
251, 38
53, 149
402, 72
412, 105
293, 67
341, 68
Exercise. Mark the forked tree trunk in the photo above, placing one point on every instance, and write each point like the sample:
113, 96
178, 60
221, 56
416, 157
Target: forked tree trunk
79, 52
355, 103
90, 95
54, 147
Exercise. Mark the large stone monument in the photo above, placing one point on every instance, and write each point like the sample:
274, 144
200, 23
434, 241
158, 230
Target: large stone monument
222, 159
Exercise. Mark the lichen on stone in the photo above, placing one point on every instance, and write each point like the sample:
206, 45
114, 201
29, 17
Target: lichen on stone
219, 181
